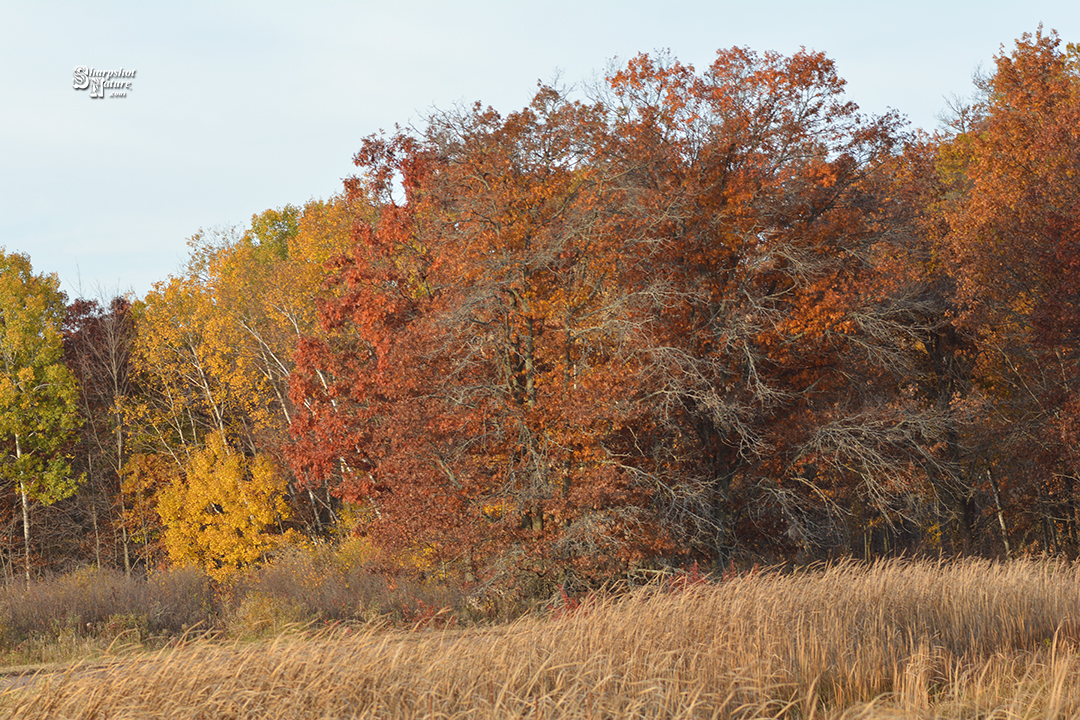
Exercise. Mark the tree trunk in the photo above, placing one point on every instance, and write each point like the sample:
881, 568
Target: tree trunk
26, 528
97, 534
25, 512
124, 537
1000, 513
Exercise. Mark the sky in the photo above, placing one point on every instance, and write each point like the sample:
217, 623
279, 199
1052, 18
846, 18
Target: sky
237, 107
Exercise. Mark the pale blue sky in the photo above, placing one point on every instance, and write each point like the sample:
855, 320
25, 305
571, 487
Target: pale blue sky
242, 106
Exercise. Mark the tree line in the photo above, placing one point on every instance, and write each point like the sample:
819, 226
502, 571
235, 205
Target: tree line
691, 316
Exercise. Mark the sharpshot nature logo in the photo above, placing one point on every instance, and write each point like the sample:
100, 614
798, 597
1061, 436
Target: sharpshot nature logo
116, 83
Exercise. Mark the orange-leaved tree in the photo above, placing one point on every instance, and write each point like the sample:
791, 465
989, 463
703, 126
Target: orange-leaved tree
472, 374
592, 335
760, 202
1014, 224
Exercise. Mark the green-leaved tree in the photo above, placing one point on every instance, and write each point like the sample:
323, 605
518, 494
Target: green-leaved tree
38, 408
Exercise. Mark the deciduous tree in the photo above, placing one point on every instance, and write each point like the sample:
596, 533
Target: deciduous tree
225, 511
37, 392
1014, 226
594, 334
97, 350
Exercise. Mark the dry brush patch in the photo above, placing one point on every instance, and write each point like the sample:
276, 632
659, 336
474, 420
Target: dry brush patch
74, 616
961, 639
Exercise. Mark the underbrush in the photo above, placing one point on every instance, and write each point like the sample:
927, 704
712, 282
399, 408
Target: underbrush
84, 613
90, 612
963, 639
326, 586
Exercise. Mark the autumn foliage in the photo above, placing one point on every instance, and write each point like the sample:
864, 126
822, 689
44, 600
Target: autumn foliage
594, 334
691, 316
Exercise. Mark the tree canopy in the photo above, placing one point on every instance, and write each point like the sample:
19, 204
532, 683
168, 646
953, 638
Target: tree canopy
692, 315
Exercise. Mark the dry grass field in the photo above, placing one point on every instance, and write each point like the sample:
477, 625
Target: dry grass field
966, 639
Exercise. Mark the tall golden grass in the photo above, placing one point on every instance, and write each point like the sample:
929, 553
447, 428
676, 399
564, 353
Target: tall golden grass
959, 639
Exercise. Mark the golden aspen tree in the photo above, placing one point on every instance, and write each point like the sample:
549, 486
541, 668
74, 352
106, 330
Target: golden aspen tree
214, 351
221, 515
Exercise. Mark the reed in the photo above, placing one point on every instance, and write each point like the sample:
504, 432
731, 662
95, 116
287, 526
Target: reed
894, 639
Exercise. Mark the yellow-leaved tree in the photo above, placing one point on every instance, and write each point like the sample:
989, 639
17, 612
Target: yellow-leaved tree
226, 511
214, 349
